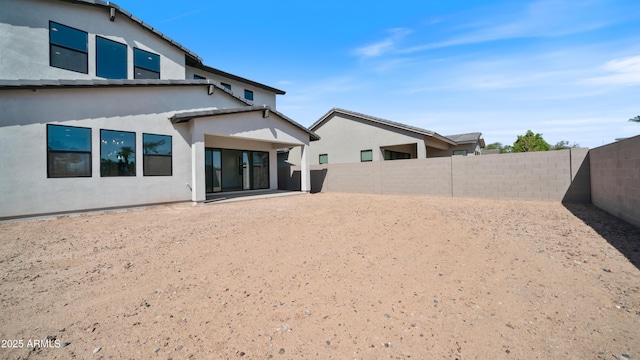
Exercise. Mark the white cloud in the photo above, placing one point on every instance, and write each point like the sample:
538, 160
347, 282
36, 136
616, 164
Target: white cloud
625, 71
383, 46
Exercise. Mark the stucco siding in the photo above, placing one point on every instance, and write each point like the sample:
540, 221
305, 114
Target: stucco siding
24, 38
342, 138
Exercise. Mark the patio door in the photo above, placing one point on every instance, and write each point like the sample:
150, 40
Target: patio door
236, 170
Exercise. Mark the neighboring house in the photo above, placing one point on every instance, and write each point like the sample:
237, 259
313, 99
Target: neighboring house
348, 137
99, 110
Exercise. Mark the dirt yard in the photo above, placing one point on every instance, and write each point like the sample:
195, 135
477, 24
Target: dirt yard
323, 276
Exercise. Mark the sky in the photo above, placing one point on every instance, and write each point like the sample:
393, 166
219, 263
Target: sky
568, 69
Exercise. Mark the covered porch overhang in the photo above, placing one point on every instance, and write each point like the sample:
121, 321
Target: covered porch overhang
253, 129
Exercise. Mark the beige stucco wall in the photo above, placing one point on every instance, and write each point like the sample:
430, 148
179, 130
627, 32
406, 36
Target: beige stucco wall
343, 137
26, 190
615, 179
24, 39
260, 96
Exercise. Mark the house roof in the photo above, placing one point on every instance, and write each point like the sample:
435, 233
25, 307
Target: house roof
192, 59
109, 4
100, 83
201, 66
469, 138
185, 116
378, 120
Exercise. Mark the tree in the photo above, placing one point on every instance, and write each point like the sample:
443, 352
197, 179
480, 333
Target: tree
499, 146
530, 142
564, 144
635, 119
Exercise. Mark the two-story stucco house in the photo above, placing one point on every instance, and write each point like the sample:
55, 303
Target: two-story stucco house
99, 109
349, 137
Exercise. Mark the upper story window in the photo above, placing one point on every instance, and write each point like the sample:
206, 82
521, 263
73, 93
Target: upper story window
68, 151
68, 48
111, 59
366, 155
198, 77
460, 152
226, 86
146, 65
323, 159
248, 94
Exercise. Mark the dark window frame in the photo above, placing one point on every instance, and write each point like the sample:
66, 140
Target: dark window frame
198, 77
226, 86
126, 62
365, 151
145, 68
69, 48
50, 151
145, 155
326, 161
135, 164
248, 95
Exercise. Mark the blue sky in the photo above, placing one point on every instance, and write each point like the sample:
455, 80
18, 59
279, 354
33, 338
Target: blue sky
568, 69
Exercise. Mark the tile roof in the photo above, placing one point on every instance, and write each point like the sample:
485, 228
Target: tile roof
394, 124
185, 116
468, 138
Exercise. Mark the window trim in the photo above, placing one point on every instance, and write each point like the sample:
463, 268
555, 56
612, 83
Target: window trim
126, 50
86, 52
320, 159
135, 66
246, 92
49, 176
144, 173
365, 151
135, 152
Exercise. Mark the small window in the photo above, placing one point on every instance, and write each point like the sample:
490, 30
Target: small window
198, 77
111, 59
248, 94
395, 155
157, 160
226, 86
117, 153
323, 159
146, 65
68, 48
460, 152
366, 155
68, 151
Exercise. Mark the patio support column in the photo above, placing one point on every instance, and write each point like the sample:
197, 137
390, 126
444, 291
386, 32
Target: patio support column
198, 186
305, 172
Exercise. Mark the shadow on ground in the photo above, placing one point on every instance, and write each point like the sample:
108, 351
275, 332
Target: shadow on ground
621, 235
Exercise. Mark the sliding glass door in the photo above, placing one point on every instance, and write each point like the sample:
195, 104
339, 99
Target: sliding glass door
235, 170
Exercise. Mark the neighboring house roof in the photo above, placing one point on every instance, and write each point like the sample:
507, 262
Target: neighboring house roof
469, 138
390, 123
98, 83
201, 66
108, 4
185, 116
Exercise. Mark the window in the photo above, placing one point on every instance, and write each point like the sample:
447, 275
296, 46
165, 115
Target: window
117, 153
460, 152
323, 159
157, 158
67, 48
395, 155
68, 151
111, 59
198, 77
226, 86
248, 94
366, 155
146, 65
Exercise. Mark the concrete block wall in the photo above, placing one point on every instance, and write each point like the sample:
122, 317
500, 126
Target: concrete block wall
615, 179
553, 175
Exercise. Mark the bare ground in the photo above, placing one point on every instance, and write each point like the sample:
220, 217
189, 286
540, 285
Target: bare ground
324, 276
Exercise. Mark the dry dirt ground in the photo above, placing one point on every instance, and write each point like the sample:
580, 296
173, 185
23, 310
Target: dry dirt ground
340, 276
